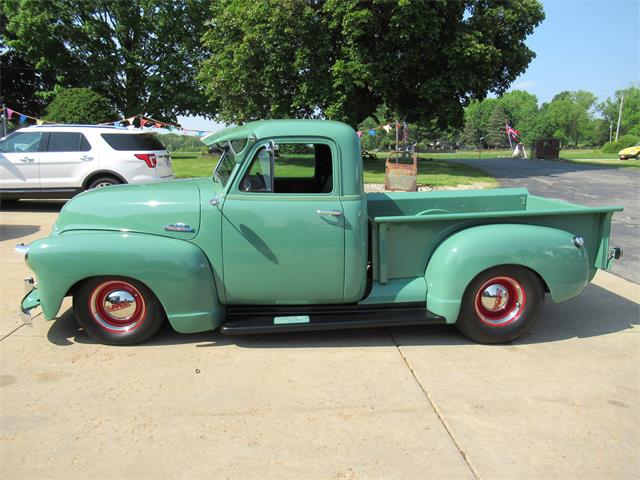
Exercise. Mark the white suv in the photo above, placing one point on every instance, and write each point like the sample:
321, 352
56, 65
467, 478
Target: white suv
60, 161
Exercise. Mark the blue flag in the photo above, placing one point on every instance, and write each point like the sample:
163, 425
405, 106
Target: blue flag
22, 119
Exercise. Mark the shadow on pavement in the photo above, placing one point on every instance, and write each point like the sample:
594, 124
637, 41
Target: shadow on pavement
32, 205
11, 232
597, 312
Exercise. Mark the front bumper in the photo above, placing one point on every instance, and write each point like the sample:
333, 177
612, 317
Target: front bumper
30, 301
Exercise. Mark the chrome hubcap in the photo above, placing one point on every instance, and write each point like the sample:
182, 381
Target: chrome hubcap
120, 304
495, 297
500, 301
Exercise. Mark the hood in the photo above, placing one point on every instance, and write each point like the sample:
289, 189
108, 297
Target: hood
146, 208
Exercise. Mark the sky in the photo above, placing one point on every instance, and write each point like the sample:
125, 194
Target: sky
581, 45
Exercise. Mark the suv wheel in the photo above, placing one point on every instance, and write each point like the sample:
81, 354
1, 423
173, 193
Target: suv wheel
103, 182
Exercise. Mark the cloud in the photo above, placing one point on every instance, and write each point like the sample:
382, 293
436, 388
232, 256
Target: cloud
526, 85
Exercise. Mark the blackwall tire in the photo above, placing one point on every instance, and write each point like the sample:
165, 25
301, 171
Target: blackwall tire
117, 310
501, 304
103, 182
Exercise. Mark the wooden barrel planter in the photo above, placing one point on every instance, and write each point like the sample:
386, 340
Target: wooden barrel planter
401, 171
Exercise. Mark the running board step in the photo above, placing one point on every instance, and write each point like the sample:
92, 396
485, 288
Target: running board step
280, 322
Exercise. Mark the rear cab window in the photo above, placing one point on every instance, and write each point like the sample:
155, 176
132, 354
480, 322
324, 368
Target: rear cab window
129, 142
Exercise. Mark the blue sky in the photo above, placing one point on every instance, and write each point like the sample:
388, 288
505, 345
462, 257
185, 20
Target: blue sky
584, 45
581, 45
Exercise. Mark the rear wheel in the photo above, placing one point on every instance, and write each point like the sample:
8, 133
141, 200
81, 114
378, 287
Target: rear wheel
117, 310
501, 304
103, 182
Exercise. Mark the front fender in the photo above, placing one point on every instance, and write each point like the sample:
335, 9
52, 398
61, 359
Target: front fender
177, 272
549, 252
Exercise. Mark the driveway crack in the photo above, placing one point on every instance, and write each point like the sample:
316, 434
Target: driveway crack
437, 410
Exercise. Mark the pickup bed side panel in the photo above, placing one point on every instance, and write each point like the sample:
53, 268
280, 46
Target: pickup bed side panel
177, 272
549, 252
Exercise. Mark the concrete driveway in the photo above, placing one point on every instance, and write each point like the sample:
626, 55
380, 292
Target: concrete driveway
585, 184
400, 403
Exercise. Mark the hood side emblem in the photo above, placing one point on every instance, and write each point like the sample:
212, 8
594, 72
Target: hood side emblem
179, 227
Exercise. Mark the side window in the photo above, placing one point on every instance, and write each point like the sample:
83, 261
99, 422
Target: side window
21, 142
68, 142
299, 168
258, 178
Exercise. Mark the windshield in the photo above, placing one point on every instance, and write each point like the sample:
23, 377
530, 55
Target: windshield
225, 165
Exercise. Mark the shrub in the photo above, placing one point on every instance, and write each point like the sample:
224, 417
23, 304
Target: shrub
80, 105
624, 141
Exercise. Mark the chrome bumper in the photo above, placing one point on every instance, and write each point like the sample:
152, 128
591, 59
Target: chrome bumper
29, 302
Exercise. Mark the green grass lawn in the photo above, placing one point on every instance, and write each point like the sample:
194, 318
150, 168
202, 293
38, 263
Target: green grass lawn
581, 156
430, 172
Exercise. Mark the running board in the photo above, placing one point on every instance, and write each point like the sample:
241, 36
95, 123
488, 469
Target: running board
298, 321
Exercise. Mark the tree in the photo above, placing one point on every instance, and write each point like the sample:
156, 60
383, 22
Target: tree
522, 109
20, 81
343, 59
496, 133
630, 122
80, 105
142, 56
477, 116
569, 117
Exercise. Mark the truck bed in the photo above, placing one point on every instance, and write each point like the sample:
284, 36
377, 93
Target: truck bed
408, 226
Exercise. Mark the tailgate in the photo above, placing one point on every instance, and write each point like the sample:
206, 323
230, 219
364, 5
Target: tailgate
163, 166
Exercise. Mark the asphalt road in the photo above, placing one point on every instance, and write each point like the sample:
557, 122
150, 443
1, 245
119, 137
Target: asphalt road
584, 184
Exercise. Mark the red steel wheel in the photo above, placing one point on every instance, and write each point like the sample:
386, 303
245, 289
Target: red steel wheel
117, 310
501, 304
117, 306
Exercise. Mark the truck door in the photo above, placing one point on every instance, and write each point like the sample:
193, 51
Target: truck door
283, 228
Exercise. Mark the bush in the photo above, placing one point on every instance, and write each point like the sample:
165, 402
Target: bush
624, 141
80, 105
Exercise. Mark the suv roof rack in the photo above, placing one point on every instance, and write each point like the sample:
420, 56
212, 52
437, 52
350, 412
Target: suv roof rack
70, 125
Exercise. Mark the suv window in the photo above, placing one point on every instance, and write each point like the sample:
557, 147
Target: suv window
19, 142
132, 141
67, 142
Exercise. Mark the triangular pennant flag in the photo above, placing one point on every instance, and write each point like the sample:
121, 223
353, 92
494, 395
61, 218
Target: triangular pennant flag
22, 119
387, 128
158, 125
143, 122
359, 133
130, 120
9, 113
372, 132
39, 122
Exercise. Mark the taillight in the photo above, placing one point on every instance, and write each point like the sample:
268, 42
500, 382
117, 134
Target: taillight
149, 158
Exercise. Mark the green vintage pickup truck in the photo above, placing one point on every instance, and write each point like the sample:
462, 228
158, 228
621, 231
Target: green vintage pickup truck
281, 237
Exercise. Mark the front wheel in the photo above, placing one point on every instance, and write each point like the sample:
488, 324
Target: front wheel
117, 310
501, 304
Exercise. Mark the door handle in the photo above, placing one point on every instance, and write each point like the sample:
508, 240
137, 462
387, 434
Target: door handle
86, 158
333, 213
26, 159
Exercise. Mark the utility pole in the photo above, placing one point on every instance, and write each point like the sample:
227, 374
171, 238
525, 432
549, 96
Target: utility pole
619, 115
397, 126
610, 131
4, 120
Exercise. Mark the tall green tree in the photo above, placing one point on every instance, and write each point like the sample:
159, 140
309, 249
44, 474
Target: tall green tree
342, 59
570, 118
476, 120
20, 82
630, 121
496, 133
141, 55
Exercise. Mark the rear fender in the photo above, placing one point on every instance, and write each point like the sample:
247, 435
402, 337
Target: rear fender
549, 252
177, 272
